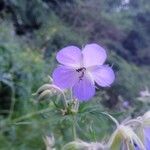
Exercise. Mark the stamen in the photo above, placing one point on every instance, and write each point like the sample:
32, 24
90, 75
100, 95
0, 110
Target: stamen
81, 76
82, 71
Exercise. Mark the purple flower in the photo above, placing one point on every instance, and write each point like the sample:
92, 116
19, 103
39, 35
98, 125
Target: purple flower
146, 139
79, 70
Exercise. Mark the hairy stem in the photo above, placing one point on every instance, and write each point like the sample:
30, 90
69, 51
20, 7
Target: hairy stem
13, 101
74, 128
27, 116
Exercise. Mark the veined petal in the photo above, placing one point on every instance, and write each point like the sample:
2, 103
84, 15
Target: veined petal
64, 77
84, 89
93, 54
103, 75
70, 56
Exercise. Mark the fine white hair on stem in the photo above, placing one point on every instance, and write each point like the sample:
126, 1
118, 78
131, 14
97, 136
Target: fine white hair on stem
112, 118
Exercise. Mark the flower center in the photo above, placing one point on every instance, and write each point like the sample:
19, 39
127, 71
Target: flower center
82, 72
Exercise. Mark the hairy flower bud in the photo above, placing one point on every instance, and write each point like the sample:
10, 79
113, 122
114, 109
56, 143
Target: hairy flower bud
125, 138
146, 119
49, 142
81, 145
48, 90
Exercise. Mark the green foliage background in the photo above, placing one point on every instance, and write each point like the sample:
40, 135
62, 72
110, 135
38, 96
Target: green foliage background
31, 32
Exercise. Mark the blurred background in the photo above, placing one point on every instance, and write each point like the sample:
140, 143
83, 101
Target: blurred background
32, 31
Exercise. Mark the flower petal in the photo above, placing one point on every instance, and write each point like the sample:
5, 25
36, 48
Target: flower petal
103, 75
64, 77
70, 56
147, 137
93, 54
84, 89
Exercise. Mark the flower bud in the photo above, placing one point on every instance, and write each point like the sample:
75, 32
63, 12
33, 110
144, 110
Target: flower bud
146, 119
49, 142
48, 90
81, 145
125, 138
